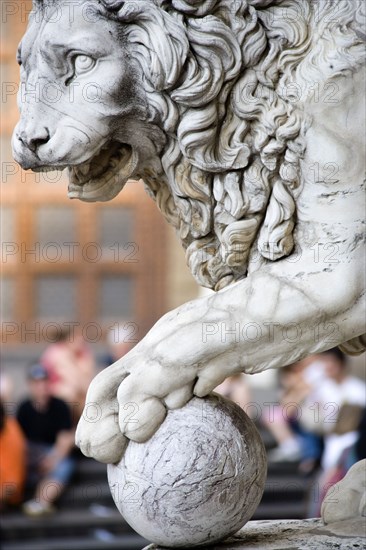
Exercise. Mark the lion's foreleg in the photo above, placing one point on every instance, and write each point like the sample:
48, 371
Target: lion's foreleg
271, 320
268, 320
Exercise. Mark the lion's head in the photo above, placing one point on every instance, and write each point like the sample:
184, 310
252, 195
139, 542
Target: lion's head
81, 100
195, 98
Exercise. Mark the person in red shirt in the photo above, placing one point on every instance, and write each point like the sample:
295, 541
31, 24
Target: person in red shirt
12, 460
71, 368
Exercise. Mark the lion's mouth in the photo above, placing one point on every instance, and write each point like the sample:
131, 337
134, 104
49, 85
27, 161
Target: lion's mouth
103, 176
106, 162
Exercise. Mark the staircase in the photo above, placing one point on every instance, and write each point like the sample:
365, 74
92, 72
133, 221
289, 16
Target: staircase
87, 518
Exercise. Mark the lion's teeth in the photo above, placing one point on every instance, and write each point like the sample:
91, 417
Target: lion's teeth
106, 163
84, 169
73, 176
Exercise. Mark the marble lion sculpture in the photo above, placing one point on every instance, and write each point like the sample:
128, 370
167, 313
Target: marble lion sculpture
245, 120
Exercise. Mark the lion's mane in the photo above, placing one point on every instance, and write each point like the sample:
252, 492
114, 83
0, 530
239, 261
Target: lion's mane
221, 78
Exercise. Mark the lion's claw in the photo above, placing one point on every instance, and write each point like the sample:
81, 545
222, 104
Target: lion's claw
150, 414
98, 434
107, 450
146, 402
130, 400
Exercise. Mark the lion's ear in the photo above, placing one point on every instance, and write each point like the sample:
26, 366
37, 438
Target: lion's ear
160, 41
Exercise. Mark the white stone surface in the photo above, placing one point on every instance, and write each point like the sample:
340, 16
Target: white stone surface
197, 480
252, 146
245, 119
308, 534
347, 499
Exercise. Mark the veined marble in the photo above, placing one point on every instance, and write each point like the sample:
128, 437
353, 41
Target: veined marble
199, 478
246, 121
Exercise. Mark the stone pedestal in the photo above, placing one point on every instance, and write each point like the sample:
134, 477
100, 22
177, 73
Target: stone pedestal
310, 534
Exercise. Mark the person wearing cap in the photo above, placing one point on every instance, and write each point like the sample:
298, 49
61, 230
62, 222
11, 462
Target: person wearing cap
47, 426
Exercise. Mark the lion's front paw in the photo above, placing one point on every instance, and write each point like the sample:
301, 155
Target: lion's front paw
146, 394
130, 399
100, 438
151, 389
98, 434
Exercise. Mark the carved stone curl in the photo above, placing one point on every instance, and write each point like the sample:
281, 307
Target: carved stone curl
245, 120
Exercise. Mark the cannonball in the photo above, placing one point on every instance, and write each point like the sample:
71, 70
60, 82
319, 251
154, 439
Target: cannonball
198, 480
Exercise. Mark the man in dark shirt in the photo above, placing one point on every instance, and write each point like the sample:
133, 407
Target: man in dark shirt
47, 426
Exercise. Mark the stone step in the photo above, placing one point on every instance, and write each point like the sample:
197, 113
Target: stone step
90, 470
285, 489
64, 523
267, 438
125, 542
81, 495
282, 469
280, 510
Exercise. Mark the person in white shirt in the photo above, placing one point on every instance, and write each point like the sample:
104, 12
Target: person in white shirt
339, 401
336, 391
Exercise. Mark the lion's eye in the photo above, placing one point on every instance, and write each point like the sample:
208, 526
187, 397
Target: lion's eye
19, 56
83, 63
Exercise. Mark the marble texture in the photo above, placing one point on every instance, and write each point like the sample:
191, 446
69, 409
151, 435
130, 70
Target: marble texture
347, 499
252, 145
197, 480
308, 534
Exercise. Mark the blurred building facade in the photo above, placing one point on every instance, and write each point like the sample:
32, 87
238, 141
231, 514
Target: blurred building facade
67, 263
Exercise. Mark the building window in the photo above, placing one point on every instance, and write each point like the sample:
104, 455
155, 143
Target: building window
8, 168
7, 225
56, 297
55, 224
116, 298
116, 230
7, 299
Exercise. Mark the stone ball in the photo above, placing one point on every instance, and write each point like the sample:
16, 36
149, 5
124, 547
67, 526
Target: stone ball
198, 480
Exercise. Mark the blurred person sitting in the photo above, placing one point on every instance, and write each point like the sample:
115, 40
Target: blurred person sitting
360, 447
12, 461
6, 388
71, 368
336, 405
296, 442
235, 388
340, 399
47, 426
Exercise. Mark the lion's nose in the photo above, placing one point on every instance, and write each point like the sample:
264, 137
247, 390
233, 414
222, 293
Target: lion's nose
33, 140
